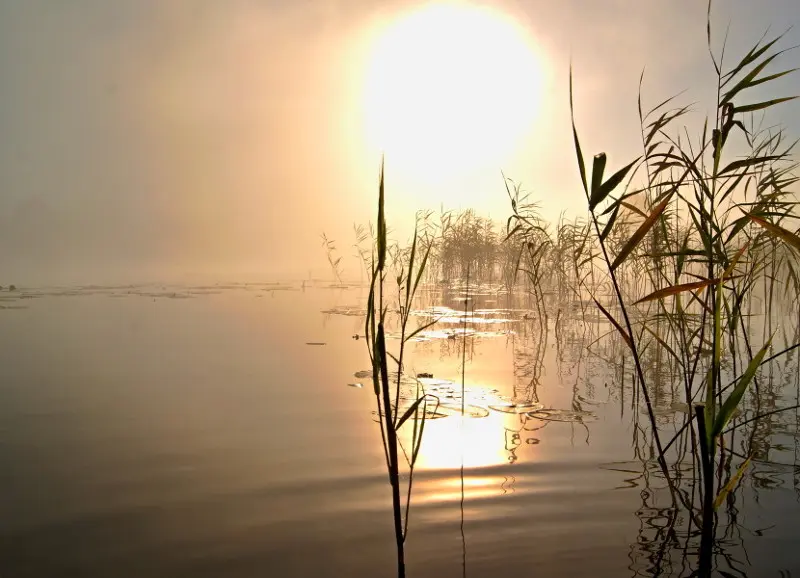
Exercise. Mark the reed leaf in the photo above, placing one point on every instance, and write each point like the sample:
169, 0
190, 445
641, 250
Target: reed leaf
664, 344
581, 164
608, 187
614, 322
747, 163
749, 58
786, 236
675, 289
729, 271
609, 224
634, 209
409, 412
381, 223
732, 402
732, 483
641, 232
762, 105
748, 80
598, 167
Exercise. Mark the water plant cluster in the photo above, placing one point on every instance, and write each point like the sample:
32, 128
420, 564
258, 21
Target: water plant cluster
691, 255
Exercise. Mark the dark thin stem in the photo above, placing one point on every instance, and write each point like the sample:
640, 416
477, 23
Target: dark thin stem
391, 435
707, 459
662, 462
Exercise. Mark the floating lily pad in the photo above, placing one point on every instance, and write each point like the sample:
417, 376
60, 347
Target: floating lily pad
565, 415
516, 408
346, 310
469, 410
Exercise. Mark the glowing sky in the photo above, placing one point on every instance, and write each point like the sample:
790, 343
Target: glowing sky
152, 138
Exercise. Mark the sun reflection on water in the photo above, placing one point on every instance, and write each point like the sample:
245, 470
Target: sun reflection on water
479, 442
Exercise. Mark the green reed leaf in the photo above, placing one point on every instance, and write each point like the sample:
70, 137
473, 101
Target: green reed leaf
598, 167
381, 223
747, 163
732, 483
409, 412
609, 224
608, 187
749, 58
732, 402
578, 152
762, 105
746, 82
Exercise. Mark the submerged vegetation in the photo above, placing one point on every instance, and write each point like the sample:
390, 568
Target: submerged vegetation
690, 253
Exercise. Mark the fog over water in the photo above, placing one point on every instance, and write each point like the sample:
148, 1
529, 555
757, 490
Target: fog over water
144, 139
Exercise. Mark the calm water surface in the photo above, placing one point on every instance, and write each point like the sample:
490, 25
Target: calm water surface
177, 431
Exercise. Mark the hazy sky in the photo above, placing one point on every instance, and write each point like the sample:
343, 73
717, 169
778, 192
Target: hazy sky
158, 138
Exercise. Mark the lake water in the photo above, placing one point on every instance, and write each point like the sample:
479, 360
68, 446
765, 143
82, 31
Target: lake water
194, 431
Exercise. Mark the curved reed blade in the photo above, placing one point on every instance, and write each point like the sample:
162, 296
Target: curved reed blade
641, 232
786, 236
675, 290
749, 163
578, 152
766, 103
732, 402
732, 483
614, 322
599, 195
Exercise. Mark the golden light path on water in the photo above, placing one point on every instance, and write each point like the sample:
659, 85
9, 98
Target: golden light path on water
450, 87
451, 441
478, 441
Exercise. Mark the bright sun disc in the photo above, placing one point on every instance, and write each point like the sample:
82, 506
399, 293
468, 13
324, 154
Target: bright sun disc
450, 87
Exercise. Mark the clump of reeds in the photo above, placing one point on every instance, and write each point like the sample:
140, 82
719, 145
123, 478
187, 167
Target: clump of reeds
705, 229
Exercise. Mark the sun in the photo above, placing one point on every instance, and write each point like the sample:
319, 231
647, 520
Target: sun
450, 87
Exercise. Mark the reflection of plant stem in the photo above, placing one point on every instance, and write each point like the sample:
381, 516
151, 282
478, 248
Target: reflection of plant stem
463, 410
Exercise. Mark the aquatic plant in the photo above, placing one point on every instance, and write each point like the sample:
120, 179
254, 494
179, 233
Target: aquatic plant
389, 414
684, 249
707, 232
333, 261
